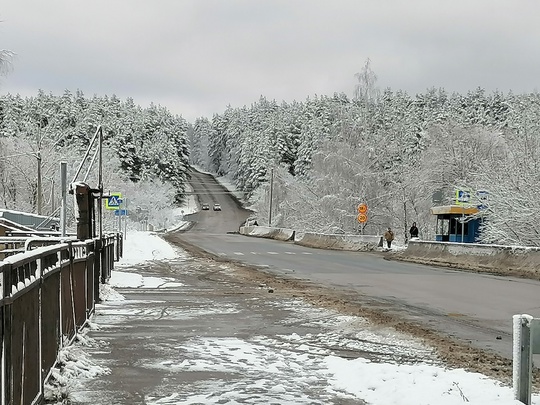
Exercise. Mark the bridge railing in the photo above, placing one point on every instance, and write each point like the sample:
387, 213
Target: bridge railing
47, 295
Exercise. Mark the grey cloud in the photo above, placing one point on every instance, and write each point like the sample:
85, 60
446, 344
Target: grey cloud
198, 56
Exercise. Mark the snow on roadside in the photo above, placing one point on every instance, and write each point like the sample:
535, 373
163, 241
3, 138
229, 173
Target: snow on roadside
72, 364
140, 246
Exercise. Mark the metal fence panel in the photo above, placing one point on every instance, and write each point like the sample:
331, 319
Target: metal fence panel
25, 348
50, 320
78, 279
66, 302
91, 295
46, 296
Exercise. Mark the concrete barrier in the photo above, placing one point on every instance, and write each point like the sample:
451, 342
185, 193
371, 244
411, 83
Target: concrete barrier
338, 242
316, 240
498, 259
282, 234
490, 258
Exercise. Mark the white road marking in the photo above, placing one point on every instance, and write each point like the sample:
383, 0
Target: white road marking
238, 253
273, 253
307, 253
290, 253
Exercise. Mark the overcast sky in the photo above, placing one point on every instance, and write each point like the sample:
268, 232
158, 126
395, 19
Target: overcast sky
197, 56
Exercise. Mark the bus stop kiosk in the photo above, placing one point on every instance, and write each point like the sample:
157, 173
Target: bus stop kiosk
456, 223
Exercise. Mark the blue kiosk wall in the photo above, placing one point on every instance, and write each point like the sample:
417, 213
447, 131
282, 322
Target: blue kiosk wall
455, 225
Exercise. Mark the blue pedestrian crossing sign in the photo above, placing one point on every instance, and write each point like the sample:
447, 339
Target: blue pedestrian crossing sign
462, 197
113, 201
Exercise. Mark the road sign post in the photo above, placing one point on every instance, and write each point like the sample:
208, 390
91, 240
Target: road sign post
362, 215
125, 218
122, 211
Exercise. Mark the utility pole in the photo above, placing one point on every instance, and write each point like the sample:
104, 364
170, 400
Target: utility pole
63, 187
39, 184
53, 201
271, 192
405, 219
100, 181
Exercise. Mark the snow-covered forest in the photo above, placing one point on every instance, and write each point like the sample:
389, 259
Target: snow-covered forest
398, 153
321, 157
145, 151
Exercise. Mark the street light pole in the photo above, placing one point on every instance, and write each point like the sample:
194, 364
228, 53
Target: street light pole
63, 187
271, 192
39, 184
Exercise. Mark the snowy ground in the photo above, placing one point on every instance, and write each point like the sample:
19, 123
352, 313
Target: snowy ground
315, 360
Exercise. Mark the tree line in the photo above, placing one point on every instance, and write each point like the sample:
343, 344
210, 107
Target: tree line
145, 150
390, 150
322, 156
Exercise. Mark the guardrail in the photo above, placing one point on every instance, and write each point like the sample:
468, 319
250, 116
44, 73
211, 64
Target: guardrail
46, 297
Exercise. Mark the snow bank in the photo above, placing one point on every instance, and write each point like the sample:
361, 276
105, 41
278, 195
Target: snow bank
282, 234
140, 246
491, 258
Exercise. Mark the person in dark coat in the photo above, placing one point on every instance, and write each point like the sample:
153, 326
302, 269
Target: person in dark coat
414, 230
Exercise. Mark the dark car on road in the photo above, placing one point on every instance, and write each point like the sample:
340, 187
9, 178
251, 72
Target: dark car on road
205, 207
217, 207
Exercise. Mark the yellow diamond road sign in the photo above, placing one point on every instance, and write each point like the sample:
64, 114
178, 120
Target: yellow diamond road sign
113, 201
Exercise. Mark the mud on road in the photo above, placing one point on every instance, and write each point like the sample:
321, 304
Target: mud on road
455, 353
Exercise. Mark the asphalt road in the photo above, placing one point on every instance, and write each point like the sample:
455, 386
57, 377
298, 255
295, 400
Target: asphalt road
475, 308
209, 191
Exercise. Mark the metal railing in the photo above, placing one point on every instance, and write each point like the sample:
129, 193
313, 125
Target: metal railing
47, 295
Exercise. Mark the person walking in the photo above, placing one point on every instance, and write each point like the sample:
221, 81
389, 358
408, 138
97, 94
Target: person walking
414, 230
389, 237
